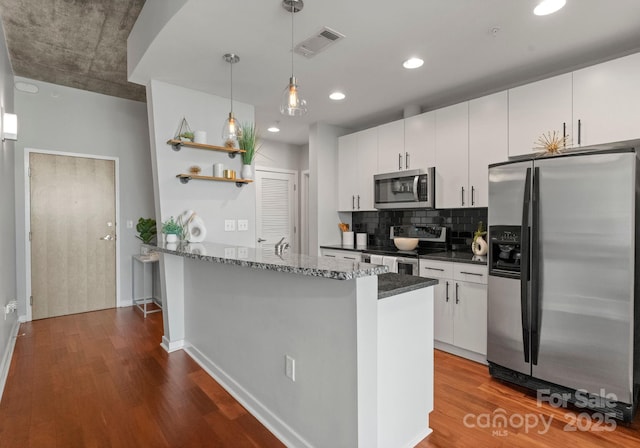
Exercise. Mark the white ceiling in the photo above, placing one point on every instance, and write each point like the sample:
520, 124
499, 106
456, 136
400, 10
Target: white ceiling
463, 58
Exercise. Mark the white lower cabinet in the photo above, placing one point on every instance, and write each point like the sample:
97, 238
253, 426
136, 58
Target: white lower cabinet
344, 254
460, 307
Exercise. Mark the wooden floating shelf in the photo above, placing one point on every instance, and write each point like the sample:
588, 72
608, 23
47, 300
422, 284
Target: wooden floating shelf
178, 144
185, 178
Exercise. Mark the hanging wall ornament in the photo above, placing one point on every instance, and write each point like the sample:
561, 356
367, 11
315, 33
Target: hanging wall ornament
184, 132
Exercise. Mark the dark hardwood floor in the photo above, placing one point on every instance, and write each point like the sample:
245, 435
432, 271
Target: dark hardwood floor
101, 380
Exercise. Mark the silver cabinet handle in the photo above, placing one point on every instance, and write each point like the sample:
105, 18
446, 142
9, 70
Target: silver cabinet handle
349, 258
447, 293
406, 160
358, 202
457, 298
260, 240
579, 132
472, 273
107, 238
473, 201
434, 269
462, 189
564, 133
353, 202
330, 256
399, 161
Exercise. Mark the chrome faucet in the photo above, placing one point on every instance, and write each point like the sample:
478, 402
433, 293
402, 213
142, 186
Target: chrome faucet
281, 246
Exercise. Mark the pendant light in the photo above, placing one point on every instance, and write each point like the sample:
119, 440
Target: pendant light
292, 103
231, 126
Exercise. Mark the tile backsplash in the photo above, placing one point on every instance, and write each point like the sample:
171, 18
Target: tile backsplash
462, 222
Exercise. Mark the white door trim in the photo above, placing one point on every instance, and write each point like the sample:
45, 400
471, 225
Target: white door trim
296, 201
27, 218
304, 212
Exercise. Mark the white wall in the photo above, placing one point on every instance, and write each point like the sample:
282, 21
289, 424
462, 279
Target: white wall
63, 119
323, 186
279, 155
8, 213
212, 201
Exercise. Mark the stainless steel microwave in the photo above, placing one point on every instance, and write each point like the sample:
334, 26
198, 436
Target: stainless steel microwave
405, 189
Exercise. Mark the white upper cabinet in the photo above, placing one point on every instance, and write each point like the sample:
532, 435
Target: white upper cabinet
347, 169
536, 109
452, 156
367, 167
488, 142
391, 152
606, 102
420, 141
357, 163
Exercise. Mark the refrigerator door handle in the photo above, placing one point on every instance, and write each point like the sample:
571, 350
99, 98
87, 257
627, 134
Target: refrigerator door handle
536, 310
524, 268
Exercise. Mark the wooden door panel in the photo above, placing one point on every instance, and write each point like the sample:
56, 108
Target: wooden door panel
72, 202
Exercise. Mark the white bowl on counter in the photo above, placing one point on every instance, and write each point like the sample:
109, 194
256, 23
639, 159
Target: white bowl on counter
405, 243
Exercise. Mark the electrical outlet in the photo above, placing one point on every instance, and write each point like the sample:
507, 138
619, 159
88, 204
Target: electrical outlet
129, 224
229, 225
243, 252
290, 367
243, 225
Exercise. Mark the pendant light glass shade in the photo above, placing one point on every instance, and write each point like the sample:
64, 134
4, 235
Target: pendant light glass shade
230, 131
231, 127
292, 103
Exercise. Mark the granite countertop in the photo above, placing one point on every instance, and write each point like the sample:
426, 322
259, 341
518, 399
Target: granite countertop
391, 284
457, 257
341, 247
333, 268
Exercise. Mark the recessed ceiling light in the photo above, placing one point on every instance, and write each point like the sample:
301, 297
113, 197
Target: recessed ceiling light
337, 96
413, 63
546, 7
273, 129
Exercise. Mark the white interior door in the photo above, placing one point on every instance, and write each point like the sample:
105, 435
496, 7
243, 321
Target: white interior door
276, 208
73, 231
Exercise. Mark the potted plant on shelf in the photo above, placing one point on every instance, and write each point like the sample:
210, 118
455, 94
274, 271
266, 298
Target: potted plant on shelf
147, 232
248, 139
172, 230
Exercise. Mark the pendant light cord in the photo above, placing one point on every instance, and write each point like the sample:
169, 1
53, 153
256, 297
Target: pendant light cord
231, 83
293, 8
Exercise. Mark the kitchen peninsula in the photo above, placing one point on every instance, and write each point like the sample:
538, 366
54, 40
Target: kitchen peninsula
323, 352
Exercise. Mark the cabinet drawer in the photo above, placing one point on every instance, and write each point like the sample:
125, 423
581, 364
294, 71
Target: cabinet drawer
346, 254
436, 269
470, 273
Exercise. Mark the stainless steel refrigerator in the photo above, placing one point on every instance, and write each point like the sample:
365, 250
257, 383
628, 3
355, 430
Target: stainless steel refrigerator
562, 289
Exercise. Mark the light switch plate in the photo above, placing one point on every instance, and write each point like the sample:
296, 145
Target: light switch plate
129, 224
229, 225
243, 225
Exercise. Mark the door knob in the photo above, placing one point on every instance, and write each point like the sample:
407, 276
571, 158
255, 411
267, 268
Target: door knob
260, 240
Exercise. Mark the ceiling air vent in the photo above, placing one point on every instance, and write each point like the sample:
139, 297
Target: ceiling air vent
318, 42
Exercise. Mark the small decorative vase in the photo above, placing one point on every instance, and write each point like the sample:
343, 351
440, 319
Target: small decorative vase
479, 246
247, 172
144, 250
171, 238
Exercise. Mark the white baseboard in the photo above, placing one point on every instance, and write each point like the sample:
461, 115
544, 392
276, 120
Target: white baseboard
473, 356
8, 353
274, 424
172, 346
420, 437
125, 303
